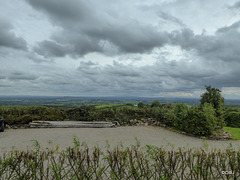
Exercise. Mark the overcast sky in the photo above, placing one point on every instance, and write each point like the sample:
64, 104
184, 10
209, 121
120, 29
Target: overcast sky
150, 48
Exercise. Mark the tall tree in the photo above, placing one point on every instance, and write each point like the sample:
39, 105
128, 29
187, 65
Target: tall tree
155, 104
214, 97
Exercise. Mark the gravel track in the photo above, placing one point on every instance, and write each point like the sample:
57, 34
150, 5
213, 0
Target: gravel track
23, 138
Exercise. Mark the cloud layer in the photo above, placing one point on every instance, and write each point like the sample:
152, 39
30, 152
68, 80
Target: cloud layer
119, 48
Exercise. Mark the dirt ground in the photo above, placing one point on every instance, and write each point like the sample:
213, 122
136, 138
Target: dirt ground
158, 136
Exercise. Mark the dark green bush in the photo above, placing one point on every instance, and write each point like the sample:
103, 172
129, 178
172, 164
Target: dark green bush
155, 104
194, 120
141, 105
232, 119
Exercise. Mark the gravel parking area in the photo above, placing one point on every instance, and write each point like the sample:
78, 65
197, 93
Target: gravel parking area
50, 137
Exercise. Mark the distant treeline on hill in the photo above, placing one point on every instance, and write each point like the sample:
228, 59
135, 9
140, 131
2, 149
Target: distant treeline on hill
86, 101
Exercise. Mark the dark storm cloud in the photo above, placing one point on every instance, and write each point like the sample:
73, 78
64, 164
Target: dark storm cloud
84, 27
8, 38
76, 43
62, 11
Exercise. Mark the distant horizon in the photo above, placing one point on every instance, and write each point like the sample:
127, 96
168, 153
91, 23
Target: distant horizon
128, 97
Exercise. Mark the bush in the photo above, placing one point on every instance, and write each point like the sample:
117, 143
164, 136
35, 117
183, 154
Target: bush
155, 104
194, 120
141, 105
181, 112
233, 119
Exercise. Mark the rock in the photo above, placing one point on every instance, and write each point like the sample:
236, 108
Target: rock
7, 126
116, 123
131, 122
163, 125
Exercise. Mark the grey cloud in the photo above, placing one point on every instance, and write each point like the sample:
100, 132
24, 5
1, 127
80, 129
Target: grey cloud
63, 11
236, 5
116, 70
8, 38
221, 46
171, 18
84, 67
70, 43
50, 49
16, 76
86, 27
130, 37
88, 63
152, 79
164, 75
225, 29
2, 76
4, 86
38, 59
121, 70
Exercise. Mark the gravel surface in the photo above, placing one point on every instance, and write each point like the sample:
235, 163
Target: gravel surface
23, 138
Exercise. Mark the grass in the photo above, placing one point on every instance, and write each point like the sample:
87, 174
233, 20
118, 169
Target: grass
234, 131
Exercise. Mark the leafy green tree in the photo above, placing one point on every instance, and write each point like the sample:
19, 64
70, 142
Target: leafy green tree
214, 97
141, 105
155, 104
232, 119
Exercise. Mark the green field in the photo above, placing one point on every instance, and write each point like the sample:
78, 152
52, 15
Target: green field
108, 105
234, 131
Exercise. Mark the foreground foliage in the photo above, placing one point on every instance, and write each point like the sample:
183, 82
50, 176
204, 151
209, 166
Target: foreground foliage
135, 162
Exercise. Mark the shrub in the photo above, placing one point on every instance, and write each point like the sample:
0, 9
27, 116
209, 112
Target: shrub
232, 119
181, 112
196, 121
141, 105
155, 104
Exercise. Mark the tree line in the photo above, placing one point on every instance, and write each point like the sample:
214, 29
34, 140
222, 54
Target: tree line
199, 120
